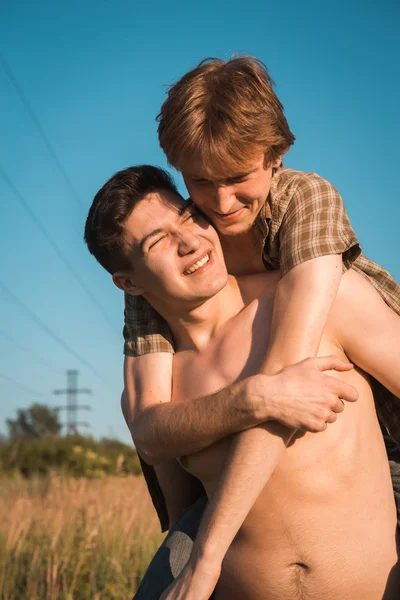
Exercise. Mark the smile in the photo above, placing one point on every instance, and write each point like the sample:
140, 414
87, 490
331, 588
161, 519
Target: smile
197, 265
229, 216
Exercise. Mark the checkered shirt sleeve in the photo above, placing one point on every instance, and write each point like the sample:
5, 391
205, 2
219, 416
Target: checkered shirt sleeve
315, 224
145, 331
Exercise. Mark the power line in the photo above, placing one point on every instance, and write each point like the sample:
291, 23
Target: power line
38, 358
46, 141
53, 244
51, 333
22, 387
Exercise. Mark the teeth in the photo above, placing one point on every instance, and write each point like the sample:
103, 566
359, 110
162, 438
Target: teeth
197, 265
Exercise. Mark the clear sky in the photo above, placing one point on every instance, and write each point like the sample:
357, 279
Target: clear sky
80, 86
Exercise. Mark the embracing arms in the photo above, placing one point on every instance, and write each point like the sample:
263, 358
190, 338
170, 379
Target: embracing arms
163, 429
307, 294
298, 396
369, 332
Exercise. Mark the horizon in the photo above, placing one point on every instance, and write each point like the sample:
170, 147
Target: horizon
81, 87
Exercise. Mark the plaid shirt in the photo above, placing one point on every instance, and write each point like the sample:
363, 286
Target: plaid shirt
303, 218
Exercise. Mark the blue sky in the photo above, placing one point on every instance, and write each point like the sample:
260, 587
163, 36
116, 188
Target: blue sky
93, 75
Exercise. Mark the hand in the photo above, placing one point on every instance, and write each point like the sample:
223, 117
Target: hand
302, 396
195, 582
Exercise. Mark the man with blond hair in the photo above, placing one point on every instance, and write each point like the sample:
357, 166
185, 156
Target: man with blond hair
224, 128
303, 534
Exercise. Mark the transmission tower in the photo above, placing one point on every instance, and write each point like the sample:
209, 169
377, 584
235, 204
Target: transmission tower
72, 407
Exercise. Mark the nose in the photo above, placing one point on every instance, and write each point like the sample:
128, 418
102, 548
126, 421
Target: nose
188, 243
224, 199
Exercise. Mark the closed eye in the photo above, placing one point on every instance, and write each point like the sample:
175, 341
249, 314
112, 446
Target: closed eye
189, 217
200, 181
237, 179
156, 241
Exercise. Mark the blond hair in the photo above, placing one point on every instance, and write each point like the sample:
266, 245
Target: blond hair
224, 113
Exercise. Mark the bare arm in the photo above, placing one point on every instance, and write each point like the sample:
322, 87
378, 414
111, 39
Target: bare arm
162, 429
303, 301
368, 330
297, 397
180, 489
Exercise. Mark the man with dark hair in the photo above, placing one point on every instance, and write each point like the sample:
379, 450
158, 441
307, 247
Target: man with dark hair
224, 128
221, 325
113, 204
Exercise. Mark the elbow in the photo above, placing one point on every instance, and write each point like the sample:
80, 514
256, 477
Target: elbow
143, 447
150, 458
137, 428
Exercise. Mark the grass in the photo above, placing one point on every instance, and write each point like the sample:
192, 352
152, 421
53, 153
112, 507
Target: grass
70, 539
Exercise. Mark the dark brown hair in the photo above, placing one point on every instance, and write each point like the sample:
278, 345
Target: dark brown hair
112, 205
224, 113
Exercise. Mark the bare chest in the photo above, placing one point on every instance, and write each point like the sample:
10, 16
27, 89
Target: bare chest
236, 352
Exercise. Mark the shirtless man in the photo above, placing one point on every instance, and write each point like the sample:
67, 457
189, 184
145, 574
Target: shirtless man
305, 534
223, 127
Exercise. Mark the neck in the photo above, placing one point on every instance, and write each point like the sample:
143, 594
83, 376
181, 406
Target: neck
246, 239
243, 253
193, 328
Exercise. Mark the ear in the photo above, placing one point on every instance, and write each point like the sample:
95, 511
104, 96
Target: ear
277, 163
125, 283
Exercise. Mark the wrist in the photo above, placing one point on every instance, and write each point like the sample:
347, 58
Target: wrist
258, 397
206, 556
239, 405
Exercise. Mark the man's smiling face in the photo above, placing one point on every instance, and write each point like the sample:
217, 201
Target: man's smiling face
231, 200
176, 253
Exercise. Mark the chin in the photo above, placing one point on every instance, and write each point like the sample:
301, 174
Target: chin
216, 285
235, 229
211, 288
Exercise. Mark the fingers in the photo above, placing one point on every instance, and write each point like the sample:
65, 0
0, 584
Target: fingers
343, 390
338, 406
317, 426
329, 363
332, 418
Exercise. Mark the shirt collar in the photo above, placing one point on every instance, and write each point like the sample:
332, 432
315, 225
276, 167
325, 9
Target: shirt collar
263, 218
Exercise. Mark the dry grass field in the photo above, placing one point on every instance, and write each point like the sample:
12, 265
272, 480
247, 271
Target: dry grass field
69, 539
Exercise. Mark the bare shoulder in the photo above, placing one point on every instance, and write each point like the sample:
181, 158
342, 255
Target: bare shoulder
367, 329
357, 292
258, 285
358, 304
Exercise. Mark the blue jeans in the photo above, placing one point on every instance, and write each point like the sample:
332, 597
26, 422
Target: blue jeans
172, 555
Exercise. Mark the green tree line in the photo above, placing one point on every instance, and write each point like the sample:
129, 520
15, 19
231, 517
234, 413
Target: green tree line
34, 446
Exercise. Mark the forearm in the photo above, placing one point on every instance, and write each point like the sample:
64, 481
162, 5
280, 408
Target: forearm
303, 301
180, 489
173, 429
252, 459
301, 307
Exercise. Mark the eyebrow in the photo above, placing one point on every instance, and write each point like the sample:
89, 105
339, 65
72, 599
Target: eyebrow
185, 207
149, 235
235, 176
182, 210
240, 175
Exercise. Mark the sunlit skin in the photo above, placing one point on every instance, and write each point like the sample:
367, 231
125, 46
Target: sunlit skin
314, 492
165, 246
232, 202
